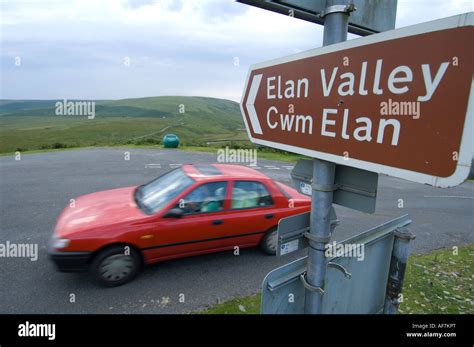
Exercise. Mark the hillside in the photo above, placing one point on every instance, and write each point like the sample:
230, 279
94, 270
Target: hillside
33, 124
140, 107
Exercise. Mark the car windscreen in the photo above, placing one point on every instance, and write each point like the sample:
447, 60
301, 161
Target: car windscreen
153, 196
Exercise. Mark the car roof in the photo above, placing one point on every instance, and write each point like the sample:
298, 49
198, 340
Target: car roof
201, 172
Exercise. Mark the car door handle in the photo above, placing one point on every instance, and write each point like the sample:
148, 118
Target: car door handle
270, 215
217, 222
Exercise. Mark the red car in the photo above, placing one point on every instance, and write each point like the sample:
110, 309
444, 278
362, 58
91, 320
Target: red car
192, 210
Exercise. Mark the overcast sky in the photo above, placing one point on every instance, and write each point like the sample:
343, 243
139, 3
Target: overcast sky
112, 49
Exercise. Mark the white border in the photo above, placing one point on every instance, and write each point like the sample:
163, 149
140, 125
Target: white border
465, 156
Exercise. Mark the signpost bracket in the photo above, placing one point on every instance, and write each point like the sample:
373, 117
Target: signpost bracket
353, 188
313, 237
340, 268
276, 284
325, 187
310, 287
338, 9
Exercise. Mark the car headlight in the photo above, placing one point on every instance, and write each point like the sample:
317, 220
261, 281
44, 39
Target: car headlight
59, 243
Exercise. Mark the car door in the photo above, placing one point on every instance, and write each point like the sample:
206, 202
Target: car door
252, 210
199, 229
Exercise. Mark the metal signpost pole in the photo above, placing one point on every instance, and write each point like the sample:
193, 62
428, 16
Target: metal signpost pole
335, 30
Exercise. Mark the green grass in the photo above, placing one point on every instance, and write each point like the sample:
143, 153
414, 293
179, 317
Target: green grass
243, 305
161, 106
440, 282
436, 282
32, 133
32, 125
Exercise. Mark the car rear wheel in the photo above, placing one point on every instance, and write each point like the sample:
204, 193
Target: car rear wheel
269, 242
116, 266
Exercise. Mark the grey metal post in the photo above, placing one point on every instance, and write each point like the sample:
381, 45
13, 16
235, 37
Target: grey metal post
400, 253
320, 227
335, 30
336, 23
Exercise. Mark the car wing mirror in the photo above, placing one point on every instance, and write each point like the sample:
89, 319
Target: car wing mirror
174, 213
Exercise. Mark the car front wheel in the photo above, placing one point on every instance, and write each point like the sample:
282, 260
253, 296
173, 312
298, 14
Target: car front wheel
116, 265
269, 242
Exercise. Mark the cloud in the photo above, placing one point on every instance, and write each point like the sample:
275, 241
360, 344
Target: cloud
79, 48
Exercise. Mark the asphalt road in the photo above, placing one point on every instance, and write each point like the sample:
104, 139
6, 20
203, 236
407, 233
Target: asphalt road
36, 188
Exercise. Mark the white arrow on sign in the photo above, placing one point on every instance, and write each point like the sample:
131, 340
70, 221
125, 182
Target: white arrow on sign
257, 129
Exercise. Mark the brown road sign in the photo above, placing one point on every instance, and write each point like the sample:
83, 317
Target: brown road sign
398, 103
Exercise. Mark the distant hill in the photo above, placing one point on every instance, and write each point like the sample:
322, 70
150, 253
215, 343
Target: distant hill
141, 107
33, 124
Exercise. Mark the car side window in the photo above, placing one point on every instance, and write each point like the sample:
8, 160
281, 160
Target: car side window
208, 197
247, 194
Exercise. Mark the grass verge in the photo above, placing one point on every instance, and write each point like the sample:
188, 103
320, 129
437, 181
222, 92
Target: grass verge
441, 281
